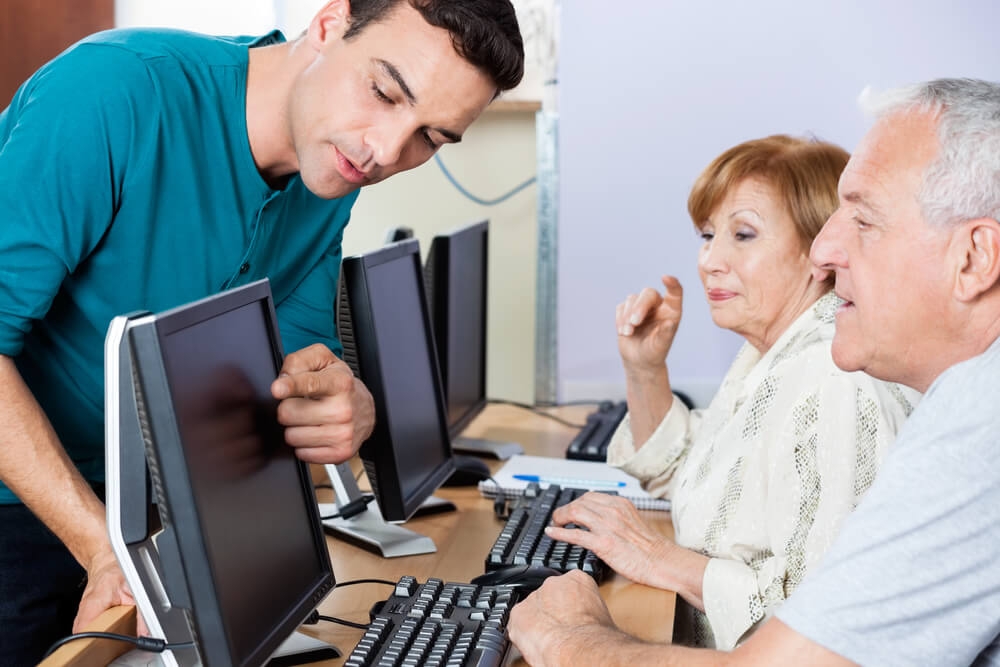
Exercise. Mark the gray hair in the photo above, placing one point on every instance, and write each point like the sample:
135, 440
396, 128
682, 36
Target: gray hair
963, 181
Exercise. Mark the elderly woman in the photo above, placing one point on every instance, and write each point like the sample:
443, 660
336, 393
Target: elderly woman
762, 479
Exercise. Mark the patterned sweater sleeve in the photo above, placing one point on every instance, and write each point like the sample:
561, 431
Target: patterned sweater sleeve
825, 451
655, 462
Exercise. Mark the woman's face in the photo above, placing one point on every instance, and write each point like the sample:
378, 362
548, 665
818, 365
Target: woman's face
754, 266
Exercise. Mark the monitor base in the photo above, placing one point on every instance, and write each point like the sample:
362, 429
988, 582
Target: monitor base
370, 531
433, 505
298, 649
483, 447
301, 649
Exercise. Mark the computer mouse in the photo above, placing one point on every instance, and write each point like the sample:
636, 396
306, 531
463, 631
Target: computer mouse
526, 578
469, 471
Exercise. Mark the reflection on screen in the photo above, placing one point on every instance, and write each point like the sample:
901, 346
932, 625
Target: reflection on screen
243, 475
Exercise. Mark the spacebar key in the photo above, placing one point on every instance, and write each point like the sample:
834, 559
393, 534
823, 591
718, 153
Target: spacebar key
485, 656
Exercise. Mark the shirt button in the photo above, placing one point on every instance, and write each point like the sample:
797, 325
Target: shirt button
244, 267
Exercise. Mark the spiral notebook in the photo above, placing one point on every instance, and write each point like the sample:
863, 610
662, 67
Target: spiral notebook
522, 469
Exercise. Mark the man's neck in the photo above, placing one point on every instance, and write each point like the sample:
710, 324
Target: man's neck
271, 71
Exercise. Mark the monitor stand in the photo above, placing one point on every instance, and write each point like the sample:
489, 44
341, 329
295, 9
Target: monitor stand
298, 649
368, 529
483, 447
139, 541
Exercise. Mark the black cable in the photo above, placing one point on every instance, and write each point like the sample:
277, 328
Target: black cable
151, 644
354, 582
353, 508
501, 509
537, 411
315, 616
350, 624
558, 404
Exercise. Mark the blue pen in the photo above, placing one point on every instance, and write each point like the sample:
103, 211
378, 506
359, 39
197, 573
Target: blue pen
571, 482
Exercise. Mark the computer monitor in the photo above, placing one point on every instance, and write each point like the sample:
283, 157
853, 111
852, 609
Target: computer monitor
455, 276
384, 325
238, 559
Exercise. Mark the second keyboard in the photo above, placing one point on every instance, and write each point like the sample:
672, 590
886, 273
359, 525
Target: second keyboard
523, 540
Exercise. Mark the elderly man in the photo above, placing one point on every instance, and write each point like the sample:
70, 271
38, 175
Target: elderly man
914, 577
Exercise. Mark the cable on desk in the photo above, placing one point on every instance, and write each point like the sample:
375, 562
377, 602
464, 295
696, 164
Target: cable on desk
537, 411
315, 616
501, 508
354, 582
350, 624
353, 508
151, 644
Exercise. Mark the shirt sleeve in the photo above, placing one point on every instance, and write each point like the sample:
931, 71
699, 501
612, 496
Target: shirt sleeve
825, 453
67, 142
655, 463
307, 315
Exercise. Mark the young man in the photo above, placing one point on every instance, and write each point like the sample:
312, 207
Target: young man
914, 577
143, 169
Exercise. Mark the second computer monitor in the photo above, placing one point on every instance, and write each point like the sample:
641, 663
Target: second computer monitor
408, 455
455, 275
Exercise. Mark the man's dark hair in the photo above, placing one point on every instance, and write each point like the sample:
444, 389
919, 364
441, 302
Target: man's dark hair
484, 32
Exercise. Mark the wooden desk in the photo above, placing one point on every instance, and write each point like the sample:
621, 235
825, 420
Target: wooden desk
463, 539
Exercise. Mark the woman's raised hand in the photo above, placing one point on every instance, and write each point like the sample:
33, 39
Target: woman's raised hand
647, 323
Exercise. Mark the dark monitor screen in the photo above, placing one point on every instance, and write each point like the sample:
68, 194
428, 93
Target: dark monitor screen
240, 504
456, 280
409, 453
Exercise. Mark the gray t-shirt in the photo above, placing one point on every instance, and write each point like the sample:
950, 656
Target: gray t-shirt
914, 577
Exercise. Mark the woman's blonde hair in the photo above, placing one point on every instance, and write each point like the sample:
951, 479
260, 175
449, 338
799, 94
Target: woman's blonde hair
803, 172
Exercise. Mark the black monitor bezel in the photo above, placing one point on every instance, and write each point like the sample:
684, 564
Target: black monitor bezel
437, 270
183, 545
379, 451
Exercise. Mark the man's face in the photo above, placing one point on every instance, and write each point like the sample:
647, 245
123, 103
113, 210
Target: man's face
889, 263
380, 103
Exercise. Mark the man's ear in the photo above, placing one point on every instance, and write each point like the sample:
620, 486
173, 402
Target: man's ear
977, 244
330, 22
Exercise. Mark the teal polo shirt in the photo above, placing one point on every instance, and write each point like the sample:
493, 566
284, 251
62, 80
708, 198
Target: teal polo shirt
127, 183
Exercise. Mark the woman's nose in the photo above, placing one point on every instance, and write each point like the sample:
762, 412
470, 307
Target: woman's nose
713, 256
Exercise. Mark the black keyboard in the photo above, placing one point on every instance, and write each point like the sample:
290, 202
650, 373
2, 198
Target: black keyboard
523, 540
437, 624
591, 443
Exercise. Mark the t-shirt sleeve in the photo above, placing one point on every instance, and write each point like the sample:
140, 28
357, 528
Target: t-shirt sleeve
66, 142
913, 576
307, 315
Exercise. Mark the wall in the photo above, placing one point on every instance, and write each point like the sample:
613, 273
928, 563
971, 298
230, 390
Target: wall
32, 33
650, 92
497, 154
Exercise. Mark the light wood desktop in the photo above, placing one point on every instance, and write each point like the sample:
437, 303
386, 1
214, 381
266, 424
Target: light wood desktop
463, 539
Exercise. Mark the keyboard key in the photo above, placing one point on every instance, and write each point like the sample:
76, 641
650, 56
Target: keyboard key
522, 540
436, 624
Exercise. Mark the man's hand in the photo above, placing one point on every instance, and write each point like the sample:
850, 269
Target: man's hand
106, 588
326, 411
552, 623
